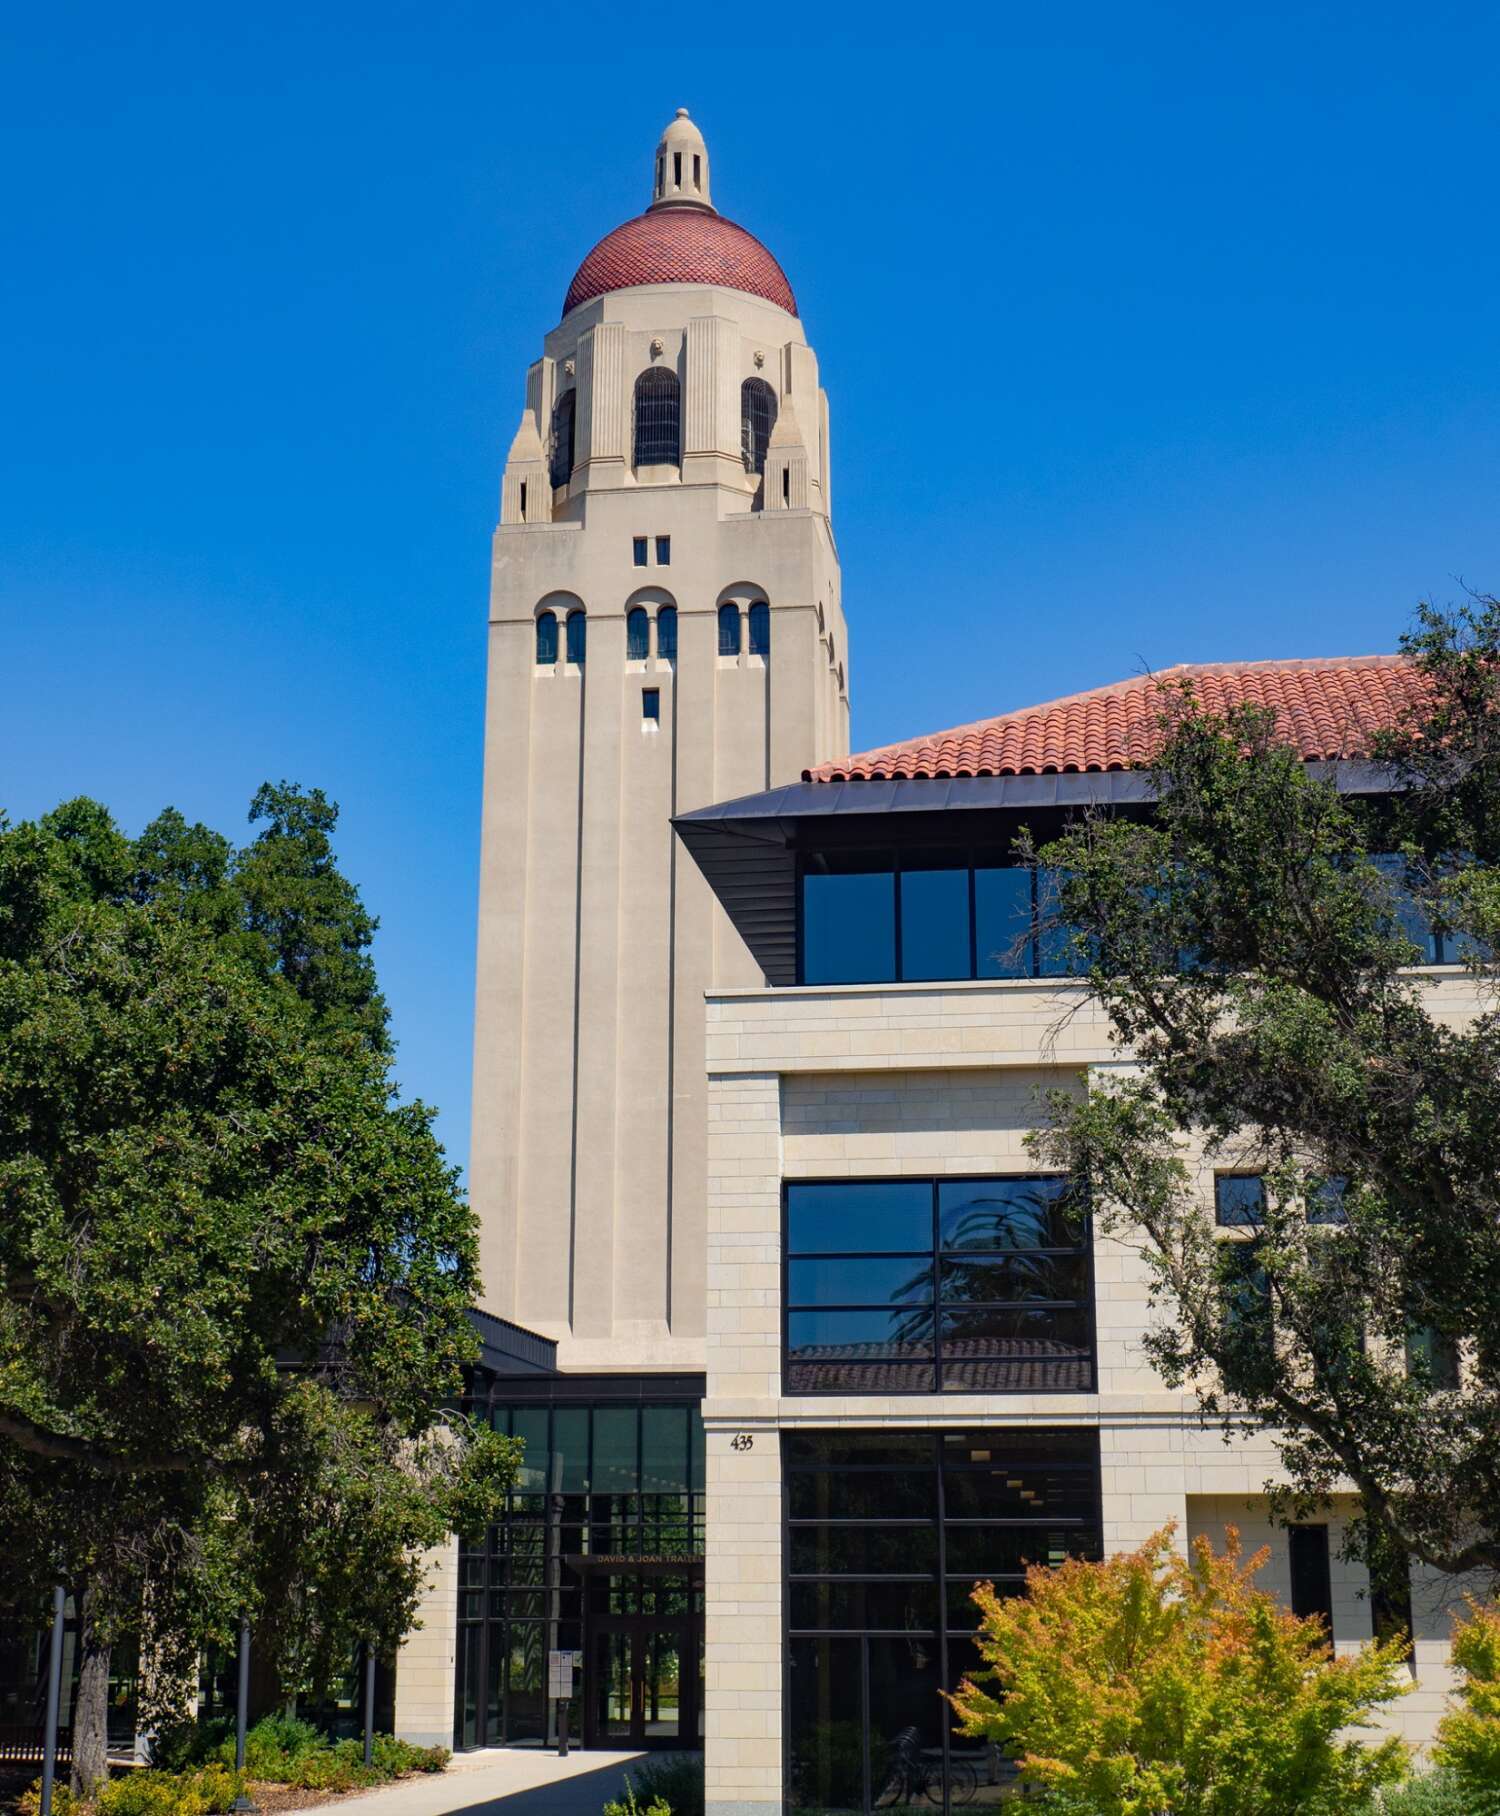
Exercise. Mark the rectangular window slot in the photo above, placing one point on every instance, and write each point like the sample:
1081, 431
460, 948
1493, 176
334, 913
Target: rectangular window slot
786, 485
677, 170
651, 704
664, 551
697, 171
1312, 1585
638, 550
523, 501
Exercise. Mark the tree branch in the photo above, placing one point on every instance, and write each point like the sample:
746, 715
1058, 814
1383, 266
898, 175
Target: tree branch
57, 1447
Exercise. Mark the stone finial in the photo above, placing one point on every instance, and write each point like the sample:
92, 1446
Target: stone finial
679, 174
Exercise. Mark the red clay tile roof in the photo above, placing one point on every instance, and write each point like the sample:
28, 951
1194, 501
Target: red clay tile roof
1326, 706
680, 246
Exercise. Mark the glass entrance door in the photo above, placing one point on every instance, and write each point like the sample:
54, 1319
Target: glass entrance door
645, 1688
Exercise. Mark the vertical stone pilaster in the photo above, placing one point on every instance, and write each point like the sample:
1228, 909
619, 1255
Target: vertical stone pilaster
603, 426
428, 1658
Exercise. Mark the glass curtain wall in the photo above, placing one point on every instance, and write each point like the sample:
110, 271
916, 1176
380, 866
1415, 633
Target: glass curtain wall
886, 1535
615, 1482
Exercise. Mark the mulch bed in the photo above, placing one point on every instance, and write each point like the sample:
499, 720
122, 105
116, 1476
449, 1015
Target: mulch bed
274, 1799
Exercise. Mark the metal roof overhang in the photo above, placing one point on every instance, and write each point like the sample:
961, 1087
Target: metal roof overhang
747, 848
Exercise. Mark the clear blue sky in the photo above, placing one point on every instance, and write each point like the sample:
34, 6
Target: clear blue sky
1152, 334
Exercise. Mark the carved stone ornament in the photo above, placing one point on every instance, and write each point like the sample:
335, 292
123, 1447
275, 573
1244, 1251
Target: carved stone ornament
569, 368
656, 349
760, 358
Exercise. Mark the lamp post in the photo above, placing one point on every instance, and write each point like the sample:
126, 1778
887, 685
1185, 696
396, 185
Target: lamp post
243, 1802
369, 1701
54, 1698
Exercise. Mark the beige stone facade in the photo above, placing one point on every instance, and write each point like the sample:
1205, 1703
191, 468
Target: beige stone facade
934, 1079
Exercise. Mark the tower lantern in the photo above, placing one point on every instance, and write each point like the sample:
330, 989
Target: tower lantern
680, 178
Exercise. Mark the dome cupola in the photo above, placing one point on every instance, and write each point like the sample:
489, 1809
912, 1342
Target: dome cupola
680, 177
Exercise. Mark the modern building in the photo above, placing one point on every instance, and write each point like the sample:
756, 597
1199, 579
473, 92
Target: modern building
800, 1342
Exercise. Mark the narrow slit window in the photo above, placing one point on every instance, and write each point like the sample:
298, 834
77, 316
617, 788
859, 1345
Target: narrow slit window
661, 174
697, 171
664, 551
564, 418
637, 634
786, 485
578, 630
638, 551
651, 704
666, 633
677, 170
523, 501
546, 639
760, 629
729, 630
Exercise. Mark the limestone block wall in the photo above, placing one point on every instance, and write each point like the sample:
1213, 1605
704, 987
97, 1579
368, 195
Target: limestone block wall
427, 1661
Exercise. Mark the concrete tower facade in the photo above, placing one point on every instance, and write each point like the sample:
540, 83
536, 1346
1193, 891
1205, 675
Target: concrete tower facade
666, 630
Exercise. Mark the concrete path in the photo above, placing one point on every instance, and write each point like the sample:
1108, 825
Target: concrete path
503, 1781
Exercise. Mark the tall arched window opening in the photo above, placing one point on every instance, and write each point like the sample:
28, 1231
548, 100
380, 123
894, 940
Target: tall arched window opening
729, 630
658, 418
637, 634
578, 633
757, 419
564, 416
546, 639
760, 629
666, 634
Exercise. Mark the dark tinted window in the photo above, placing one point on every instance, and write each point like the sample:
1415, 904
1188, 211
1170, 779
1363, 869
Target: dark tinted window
562, 438
658, 409
1312, 1585
848, 918
729, 630
935, 919
578, 630
651, 703
664, 551
546, 639
1239, 1200
907, 1286
757, 419
1432, 1357
637, 634
1002, 921
760, 628
666, 633
638, 550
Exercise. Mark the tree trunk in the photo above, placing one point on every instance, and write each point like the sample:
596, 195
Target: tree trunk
91, 1705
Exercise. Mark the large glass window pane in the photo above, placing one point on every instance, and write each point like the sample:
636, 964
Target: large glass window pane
616, 1468
1007, 1550
664, 1450
935, 918
1010, 1214
907, 1718
859, 1280
859, 1494
864, 1607
1056, 948
570, 1445
1002, 922
1013, 1278
855, 1214
1407, 913
862, 1550
825, 1726
530, 1424
1239, 1200
696, 1470
1019, 1491
847, 1449
848, 918
1023, 1330
896, 1332
525, 1704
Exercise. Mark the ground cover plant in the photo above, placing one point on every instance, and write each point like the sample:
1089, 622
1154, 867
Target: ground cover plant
1156, 1682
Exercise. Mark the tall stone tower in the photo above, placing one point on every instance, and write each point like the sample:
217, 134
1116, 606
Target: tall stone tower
666, 630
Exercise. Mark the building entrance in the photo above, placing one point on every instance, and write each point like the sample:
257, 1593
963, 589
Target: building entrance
646, 1684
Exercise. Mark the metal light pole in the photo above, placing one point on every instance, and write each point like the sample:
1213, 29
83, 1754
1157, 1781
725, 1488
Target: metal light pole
54, 1698
243, 1802
369, 1701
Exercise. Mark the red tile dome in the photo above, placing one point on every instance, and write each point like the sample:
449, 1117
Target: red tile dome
680, 246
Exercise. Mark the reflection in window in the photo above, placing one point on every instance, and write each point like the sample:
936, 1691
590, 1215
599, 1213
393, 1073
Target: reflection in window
729, 630
637, 634
922, 1286
880, 1612
760, 628
957, 920
666, 633
546, 639
1239, 1200
578, 630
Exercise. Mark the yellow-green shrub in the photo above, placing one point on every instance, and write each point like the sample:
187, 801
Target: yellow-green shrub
202, 1793
1468, 1740
1157, 1682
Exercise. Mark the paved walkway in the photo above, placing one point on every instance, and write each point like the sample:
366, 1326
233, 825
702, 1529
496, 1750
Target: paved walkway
504, 1781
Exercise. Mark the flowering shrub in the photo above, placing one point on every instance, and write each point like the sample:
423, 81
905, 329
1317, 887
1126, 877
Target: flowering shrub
1469, 1737
1156, 1682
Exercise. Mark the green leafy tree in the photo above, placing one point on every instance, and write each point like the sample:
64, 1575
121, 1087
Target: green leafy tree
1252, 944
234, 1267
1469, 1736
1156, 1682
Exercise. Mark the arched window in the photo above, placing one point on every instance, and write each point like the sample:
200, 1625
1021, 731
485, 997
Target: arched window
658, 418
760, 629
729, 630
546, 639
637, 634
666, 633
564, 415
757, 419
578, 632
